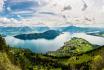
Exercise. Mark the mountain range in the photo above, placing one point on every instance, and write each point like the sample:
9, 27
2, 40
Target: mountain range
5, 31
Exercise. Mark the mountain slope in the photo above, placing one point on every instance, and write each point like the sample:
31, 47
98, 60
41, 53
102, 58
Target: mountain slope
76, 45
72, 47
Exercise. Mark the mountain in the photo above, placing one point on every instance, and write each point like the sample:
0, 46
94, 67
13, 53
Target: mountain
72, 47
12, 31
50, 34
75, 29
76, 45
82, 29
5, 31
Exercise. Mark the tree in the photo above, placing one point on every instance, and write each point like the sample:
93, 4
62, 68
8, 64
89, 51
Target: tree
3, 45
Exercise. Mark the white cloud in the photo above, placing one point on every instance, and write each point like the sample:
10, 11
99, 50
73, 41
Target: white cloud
35, 22
93, 14
94, 9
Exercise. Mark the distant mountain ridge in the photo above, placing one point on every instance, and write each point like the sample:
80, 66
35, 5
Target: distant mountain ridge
5, 31
12, 31
74, 29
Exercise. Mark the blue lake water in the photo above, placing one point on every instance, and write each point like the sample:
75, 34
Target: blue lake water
43, 45
39, 45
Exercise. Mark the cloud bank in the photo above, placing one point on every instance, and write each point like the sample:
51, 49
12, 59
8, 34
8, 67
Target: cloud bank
51, 12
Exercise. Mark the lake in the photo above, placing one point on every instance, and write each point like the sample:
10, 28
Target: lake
44, 45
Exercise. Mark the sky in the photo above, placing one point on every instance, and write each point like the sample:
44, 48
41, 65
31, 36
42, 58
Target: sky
52, 12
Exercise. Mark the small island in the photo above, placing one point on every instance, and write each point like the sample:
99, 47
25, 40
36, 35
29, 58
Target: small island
50, 34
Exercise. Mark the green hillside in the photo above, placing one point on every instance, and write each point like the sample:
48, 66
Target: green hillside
73, 47
76, 54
